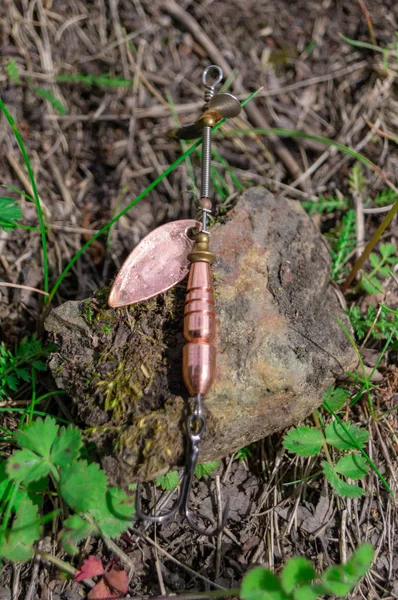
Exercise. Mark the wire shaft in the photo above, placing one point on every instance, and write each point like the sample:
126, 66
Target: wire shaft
206, 156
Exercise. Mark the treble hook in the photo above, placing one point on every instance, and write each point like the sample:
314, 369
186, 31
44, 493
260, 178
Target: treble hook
196, 424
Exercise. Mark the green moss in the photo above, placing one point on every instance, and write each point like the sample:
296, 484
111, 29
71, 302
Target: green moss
88, 312
155, 439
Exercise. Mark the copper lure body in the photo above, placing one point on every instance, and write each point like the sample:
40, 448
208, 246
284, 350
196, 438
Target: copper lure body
199, 354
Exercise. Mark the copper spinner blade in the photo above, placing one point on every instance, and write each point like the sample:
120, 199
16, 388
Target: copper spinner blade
156, 264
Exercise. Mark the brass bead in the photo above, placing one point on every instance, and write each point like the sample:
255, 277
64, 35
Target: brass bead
201, 252
209, 120
202, 238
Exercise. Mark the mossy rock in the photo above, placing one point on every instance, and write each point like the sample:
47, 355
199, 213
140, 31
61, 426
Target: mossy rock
279, 344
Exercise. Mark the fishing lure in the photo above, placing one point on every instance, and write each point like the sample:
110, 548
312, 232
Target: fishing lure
162, 259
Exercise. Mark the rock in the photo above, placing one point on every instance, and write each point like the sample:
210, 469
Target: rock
279, 346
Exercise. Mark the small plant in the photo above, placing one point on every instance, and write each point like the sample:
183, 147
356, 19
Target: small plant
12, 70
309, 441
17, 366
171, 480
243, 454
344, 245
380, 325
357, 181
55, 103
385, 197
382, 265
299, 580
325, 205
204, 469
49, 457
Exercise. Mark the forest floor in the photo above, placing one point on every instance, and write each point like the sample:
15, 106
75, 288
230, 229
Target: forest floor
96, 89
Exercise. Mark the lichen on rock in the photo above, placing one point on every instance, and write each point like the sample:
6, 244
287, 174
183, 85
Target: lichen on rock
279, 346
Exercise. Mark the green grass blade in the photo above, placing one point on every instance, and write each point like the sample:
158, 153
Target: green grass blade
40, 215
17, 191
359, 44
40, 413
27, 227
150, 187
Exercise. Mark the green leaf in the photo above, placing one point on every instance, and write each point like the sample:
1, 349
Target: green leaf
341, 579
33, 491
353, 466
6, 486
325, 205
359, 563
12, 70
39, 365
82, 484
303, 440
261, 584
75, 529
344, 244
169, 481
204, 469
385, 271
335, 398
335, 581
66, 446
114, 513
55, 103
10, 212
387, 250
23, 374
346, 490
26, 466
297, 571
371, 285
374, 260
12, 382
36, 490
343, 437
357, 179
39, 436
243, 453
25, 531
309, 592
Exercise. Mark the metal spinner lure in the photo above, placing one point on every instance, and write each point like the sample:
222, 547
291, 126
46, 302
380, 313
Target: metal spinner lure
162, 259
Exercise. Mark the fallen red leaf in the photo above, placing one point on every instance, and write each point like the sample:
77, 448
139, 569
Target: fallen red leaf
113, 584
117, 580
90, 568
101, 592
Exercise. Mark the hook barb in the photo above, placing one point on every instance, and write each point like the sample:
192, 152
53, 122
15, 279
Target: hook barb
195, 425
